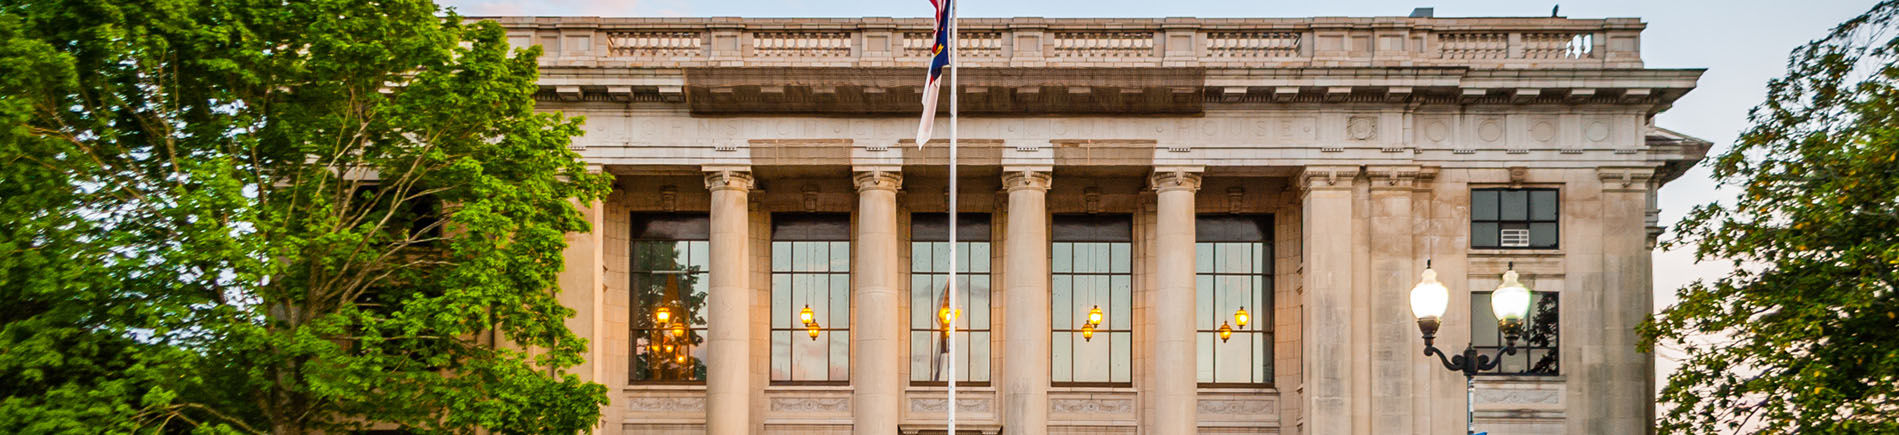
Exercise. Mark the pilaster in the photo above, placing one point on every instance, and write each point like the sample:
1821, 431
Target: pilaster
1328, 344
1621, 385
1393, 378
583, 289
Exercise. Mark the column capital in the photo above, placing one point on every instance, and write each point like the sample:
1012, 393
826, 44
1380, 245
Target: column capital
1397, 176
738, 178
877, 179
1026, 180
1327, 177
1168, 179
1625, 178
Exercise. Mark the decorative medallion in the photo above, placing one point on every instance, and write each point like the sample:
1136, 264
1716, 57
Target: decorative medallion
1543, 131
1361, 127
1436, 131
1597, 131
1489, 131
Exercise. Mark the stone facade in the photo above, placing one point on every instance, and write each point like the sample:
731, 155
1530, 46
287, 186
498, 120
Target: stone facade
1362, 137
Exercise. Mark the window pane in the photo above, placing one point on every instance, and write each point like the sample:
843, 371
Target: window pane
1483, 323
920, 257
979, 356
1062, 302
840, 301
840, 369
979, 302
781, 355
1513, 205
1483, 205
1061, 363
1120, 293
1203, 344
1203, 257
1085, 258
1063, 256
1203, 303
1543, 235
840, 256
1091, 357
922, 347
1543, 205
1120, 365
1119, 257
780, 255
1484, 235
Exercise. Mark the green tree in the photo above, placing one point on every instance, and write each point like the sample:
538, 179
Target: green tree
1802, 337
287, 217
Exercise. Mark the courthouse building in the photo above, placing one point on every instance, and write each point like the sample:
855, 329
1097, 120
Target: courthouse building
773, 256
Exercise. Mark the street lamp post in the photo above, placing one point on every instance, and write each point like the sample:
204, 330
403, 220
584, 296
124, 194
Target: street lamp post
1509, 302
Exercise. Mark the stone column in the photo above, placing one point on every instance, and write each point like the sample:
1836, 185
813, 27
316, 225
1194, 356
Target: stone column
1176, 385
1025, 344
728, 349
583, 288
876, 385
1395, 345
1328, 346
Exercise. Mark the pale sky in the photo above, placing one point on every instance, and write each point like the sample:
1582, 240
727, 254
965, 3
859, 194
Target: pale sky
1742, 43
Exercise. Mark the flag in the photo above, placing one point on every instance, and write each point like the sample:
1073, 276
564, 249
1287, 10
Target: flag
939, 58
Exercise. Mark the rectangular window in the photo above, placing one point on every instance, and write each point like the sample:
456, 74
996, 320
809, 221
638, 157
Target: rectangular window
929, 283
1537, 344
1233, 256
1513, 218
668, 296
811, 267
1090, 269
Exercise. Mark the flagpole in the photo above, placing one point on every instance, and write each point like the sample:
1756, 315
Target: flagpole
954, 50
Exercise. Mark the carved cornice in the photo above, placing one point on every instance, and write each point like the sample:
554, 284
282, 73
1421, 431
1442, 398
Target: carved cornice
877, 180
1026, 180
1327, 177
1625, 179
1175, 179
729, 179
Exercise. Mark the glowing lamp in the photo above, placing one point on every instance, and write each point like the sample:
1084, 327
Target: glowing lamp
1241, 317
1226, 332
1087, 332
663, 315
1428, 301
805, 315
679, 329
1510, 302
812, 329
1094, 316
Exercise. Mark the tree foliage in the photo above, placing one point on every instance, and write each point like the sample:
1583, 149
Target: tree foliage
288, 217
1802, 337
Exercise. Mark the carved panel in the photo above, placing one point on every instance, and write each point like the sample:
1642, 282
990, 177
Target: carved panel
1361, 128
666, 404
811, 404
1236, 406
1520, 397
962, 405
1090, 406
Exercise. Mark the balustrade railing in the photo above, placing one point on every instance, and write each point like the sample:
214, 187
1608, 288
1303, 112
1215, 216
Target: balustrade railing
988, 42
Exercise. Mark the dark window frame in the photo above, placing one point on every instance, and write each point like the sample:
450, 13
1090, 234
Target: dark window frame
972, 228
663, 228
830, 229
1528, 222
1249, 229
1077, 230
1542, 333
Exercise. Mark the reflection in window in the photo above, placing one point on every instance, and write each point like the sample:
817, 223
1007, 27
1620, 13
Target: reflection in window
1090, 268
669, 284
1233, 259
929, 282
810, 267
1513, 218
1536, 346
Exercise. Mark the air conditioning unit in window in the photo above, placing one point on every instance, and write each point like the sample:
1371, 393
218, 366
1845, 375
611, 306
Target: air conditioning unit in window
1514, 238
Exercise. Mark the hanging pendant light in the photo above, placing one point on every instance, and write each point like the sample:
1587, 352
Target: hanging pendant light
805, 315
1094, 316
812, 329
947, 317
663, 315
1226, 331
669, 348
679, 329
1241, 317
681, 358
1087, 332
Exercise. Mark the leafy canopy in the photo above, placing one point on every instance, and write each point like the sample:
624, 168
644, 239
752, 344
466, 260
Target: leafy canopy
251, 216
1803, 336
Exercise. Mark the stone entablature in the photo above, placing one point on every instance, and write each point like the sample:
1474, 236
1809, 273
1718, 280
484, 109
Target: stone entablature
1511, 43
